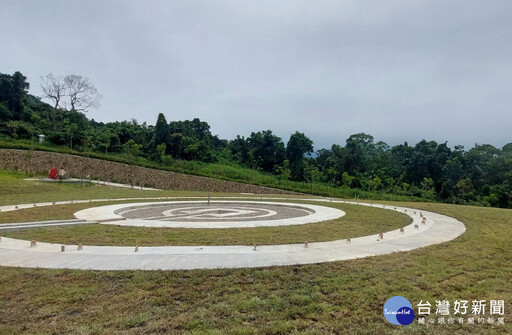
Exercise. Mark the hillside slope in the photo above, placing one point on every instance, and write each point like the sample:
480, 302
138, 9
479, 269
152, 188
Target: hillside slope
39, 162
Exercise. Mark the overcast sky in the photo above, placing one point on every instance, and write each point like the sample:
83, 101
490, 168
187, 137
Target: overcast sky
398, 70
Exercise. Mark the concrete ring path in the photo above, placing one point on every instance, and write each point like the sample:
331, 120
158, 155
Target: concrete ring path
437, 229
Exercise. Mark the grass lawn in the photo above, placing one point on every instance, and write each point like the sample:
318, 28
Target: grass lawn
330, 298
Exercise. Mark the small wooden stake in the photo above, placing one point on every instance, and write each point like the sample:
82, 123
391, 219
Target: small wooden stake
33, 243
80, 247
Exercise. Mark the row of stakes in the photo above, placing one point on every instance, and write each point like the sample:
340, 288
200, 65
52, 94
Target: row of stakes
33, 243
380, 236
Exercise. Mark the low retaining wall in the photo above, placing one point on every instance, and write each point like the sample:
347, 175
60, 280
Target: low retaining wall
38, 162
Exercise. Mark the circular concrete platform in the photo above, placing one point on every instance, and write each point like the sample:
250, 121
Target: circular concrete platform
213, 214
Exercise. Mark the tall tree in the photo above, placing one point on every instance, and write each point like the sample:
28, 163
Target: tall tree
480, 160
266, 150
298, 146
177, 144
81, 93
20, 88
71, 93
54, 90
360, 150
453, 172
239, 148
162, 133
13, 90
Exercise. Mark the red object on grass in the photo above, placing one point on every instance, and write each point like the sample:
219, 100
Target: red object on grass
54, 174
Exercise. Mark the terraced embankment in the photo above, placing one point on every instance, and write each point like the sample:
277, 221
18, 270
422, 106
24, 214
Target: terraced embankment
82, 167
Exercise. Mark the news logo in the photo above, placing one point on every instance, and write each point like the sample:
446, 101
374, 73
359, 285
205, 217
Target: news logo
398, 311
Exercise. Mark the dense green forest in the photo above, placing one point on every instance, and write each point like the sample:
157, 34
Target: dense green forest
429, 170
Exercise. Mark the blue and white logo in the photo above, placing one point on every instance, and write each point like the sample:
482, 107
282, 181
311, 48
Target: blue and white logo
398, 311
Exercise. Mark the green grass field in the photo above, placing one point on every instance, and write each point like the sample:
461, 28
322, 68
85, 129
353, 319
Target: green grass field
330, 298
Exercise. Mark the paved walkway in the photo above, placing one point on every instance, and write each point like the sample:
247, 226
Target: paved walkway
437, 229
